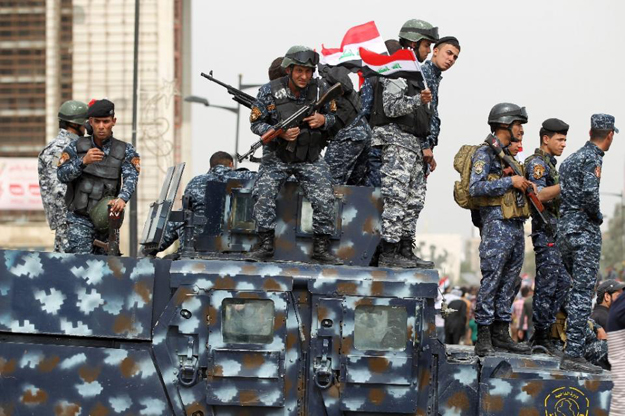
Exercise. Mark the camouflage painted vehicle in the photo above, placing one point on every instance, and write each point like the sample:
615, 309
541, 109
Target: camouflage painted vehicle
210, 334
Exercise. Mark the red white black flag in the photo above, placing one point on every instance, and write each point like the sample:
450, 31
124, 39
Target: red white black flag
401, 64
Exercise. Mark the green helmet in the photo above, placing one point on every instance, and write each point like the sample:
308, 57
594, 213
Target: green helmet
415, 30
99, 214
73, 112
300, 55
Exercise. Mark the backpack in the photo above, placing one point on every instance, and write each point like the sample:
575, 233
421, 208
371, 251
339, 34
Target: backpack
463, 165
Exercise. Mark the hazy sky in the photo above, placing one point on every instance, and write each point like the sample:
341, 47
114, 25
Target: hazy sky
557, 58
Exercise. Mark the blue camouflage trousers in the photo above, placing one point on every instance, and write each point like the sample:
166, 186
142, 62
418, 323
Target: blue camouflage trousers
81, 234
501, 259
552, 282
314, 178
403, 190
581, 252
348, 160
374, 178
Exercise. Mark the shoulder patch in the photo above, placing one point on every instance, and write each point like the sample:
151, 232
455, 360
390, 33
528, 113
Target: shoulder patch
598, 172
136, 162
255, 115
539, 171
333, 106
396, 86
478, 167
64, 158
271, 107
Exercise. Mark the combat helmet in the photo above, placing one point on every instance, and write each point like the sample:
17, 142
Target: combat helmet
300, 55
415, 30
507, 113
99, 214
73, 112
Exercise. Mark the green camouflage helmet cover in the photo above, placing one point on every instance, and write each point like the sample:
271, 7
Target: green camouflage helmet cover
415, 30
300, 55
73, 112
99, 214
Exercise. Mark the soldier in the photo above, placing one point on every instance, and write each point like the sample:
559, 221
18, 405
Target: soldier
503, 210
221, 170
277, 100
444, 56
400, 132
94, 168
552, 281
607, 293
72, 119
579, 236
348, 151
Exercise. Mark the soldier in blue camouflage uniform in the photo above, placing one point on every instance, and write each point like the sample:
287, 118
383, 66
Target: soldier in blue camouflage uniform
395, 113
276, 101
72, 117
552, 281
348, 152
96, 167
595, 339
579, 236
221, 170
503, 209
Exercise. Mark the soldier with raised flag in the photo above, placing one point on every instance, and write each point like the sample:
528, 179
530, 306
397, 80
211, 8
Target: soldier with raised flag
276, 101
72, 119
552, 281
99, 171
579, 234
401, 124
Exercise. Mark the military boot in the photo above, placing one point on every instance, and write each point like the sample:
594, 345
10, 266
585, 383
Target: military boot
406, 249
503, 341
264, 250
484, 345
569, 363
390, 257
542, 338
321, 250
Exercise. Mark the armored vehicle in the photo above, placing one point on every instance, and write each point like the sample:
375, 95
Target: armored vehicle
210, 334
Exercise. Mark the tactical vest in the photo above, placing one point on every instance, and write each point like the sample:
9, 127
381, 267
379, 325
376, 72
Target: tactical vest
416, 123
98, 179
310, 142
510, 207
348, 104
552, 206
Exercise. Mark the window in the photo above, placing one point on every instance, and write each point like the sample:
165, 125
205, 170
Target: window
305, 217
247, 321
380, 328
241, 212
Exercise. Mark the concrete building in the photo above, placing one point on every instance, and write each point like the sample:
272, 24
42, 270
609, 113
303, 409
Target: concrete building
84, 49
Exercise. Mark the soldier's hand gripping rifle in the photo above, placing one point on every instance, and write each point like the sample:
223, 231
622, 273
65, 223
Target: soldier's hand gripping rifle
293, 121
237, 95
539, 208
115, 220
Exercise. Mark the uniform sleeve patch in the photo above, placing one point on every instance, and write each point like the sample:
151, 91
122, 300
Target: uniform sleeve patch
136, 162
478, 167
598, 172
271, 107
64, 158
539, 171
255, 115
333, 106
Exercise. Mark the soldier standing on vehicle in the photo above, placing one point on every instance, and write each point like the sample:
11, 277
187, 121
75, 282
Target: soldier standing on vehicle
72, 119
94, 168
278, 100
579, 234
503, 208
552, 281
401, 132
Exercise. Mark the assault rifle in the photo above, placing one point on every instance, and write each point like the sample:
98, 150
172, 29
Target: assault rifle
539, 208
237, 95
115, 223
293, 121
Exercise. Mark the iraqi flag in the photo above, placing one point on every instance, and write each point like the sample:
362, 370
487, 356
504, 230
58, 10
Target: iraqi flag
401, 64
348, 55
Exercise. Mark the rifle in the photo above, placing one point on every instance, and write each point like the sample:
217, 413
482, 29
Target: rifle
115, 223
539, 208
237, 95
293, 121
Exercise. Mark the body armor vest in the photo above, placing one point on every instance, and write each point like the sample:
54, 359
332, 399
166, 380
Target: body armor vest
310, 142
552, 206
416, 123
98, 179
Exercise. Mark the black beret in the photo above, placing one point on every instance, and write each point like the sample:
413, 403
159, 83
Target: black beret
446, 39
555, 125
102, 108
